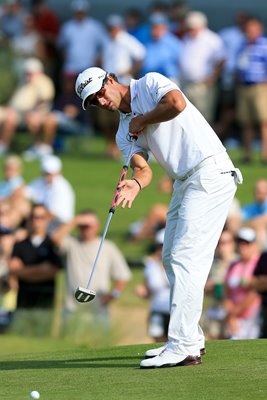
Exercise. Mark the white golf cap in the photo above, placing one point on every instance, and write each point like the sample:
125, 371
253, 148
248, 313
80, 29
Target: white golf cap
246, 234
89, 82
51, 164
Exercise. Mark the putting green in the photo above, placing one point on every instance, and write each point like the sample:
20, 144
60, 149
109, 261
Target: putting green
231, 370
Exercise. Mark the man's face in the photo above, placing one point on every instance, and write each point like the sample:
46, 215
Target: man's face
253, 29
158, 31
108, 97
89, 227
39, 220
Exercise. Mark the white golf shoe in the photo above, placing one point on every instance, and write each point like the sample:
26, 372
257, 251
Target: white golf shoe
169, 359
155, 352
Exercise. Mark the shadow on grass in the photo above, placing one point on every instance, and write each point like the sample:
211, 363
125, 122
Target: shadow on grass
99, 362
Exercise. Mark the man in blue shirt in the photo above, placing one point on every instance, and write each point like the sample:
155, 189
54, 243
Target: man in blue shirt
252, 92
163, 49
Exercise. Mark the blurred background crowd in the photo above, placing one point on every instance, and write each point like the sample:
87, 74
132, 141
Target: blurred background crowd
42, 234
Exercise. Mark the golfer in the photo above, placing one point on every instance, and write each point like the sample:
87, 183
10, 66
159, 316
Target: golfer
205, 180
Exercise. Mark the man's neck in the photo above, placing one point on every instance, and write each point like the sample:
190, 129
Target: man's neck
125, 105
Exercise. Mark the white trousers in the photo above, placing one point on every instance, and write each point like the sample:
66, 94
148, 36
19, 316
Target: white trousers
196, 217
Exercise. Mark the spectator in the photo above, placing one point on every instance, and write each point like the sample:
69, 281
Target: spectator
34, 263
47, 24
162, 42
12, 176
252, 90
12, 19
225, 254
135, 25
75, 35
234, 219
259, 283
255, 214
153, 221
199, 78
177, 14
122, 55
233, 38
242, 304
29, 104
8, 288
53, 190
65, 118
157, 288
80, 253
29, 44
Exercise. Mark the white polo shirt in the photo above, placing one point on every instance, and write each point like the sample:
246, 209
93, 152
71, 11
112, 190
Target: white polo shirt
200, 55
121, 53
179, 144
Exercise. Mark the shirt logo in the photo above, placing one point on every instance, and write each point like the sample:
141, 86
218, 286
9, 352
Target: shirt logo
83, 85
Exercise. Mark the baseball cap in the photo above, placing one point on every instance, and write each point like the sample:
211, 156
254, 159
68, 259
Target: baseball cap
158, 18
115, 20
80, 5
89, 82
246, 234
51, 164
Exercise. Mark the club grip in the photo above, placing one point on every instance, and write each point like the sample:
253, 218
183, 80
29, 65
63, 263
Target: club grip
117, 191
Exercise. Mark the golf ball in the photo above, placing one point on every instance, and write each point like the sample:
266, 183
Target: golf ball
35, 395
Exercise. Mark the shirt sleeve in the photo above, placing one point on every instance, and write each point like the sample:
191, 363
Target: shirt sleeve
158, 85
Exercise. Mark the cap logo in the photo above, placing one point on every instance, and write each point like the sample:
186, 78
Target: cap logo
83, 85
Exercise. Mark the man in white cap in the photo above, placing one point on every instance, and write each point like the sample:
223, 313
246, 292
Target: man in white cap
156, 117
201, 63
53, 190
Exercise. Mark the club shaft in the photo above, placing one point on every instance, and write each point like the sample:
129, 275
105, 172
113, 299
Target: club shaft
111, 211
100, 247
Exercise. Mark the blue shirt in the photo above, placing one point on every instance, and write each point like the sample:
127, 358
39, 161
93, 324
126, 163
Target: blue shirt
252, 61
163, 55
7, 187
253, 210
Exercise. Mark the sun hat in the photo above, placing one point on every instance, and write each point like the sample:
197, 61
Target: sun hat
89, 82
51, 164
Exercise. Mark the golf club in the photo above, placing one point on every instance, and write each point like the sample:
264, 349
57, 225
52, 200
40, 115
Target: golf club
84, 295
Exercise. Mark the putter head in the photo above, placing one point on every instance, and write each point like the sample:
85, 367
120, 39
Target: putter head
83, 295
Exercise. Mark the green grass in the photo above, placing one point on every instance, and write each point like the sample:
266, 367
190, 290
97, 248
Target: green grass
94, 179
231, 370
64, 369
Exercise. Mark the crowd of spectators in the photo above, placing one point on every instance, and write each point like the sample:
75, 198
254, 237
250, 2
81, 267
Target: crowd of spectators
226, 79
223, 73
